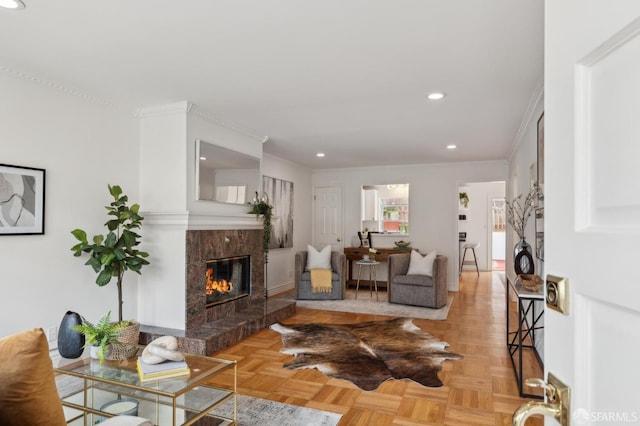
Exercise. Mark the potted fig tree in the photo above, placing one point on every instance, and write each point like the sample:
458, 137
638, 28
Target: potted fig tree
114, 253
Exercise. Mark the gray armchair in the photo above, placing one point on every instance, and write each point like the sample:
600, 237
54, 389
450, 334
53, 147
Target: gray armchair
303, 277
417, 290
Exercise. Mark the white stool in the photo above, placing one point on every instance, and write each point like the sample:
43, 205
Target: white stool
473, 247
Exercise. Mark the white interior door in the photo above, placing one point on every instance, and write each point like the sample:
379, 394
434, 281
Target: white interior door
328, 217
592, 204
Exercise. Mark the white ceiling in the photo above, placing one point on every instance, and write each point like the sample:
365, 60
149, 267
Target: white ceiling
346, 77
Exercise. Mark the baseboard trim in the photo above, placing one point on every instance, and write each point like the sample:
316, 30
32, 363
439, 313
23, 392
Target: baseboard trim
281, 288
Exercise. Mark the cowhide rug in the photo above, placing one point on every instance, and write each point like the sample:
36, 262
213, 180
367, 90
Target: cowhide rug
368, 353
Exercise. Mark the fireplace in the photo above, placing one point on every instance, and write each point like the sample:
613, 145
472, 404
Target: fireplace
235, 309
206, 246
227, 279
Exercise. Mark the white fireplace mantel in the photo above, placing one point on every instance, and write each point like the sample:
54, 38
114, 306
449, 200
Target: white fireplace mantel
161, 300
202, 221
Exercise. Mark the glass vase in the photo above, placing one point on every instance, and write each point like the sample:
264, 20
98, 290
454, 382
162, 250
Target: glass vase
521, 245
522, 258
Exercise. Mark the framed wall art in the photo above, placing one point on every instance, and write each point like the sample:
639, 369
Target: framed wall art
539, 212
539, 222
541, 151
21, 200
280, 193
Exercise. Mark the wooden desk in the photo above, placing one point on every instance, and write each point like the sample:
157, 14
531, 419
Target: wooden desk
356, 253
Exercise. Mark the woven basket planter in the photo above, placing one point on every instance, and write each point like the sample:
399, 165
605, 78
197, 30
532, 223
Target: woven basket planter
128, 346
531, 282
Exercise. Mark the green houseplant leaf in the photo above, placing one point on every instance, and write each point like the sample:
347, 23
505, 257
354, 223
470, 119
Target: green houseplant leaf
262, 207
102, 334
116, 252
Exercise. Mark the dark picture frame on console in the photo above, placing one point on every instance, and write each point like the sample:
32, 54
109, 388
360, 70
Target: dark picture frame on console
22, 192
365, 239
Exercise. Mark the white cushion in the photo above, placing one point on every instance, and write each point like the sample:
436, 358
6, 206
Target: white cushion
421, 265
318, 259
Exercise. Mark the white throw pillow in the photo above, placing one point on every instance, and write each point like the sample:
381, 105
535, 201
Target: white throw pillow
421, 265
318, 259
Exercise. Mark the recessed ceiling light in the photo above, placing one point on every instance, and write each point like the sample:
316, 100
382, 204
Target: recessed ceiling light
451, 146
435, 96
203, 158
320, 154
12, 4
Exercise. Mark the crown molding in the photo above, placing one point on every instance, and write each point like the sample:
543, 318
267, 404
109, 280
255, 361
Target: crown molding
207, 116
61, 88
186, 107
536, 100
182, 107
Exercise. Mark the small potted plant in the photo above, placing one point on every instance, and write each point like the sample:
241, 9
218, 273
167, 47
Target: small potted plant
114, 253
464, 199
101, 335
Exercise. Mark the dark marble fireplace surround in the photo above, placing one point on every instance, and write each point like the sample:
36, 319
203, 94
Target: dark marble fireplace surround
211, 329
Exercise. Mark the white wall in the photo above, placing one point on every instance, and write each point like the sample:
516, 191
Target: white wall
433, 200
523, 158
84, 146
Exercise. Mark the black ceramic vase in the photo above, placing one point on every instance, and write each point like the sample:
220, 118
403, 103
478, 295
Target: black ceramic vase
70, 342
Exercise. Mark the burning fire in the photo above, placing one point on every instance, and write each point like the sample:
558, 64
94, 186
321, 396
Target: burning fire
222, 286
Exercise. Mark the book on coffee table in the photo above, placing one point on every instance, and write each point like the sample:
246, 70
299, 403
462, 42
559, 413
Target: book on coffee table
162, 370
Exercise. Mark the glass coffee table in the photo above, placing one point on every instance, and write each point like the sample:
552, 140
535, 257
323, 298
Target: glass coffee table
86, 388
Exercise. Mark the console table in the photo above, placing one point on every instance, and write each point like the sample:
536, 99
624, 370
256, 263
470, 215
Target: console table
354, 254
530, 321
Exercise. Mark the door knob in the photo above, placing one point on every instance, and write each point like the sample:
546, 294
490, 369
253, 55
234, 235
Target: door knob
549, 390
557, 405
338, 239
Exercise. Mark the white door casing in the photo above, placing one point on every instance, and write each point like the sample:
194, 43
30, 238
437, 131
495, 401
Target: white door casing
328, 214
592, 204
491, 216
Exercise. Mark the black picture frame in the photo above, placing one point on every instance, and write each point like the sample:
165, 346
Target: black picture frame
365, 239
539, 222
539, 212
22, 196
540, 151
280, 196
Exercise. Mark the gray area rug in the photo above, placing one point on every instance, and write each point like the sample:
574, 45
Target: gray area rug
251, 411
367, 304
257, 411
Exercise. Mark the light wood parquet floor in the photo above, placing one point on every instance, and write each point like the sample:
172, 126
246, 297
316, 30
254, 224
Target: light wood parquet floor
478, 390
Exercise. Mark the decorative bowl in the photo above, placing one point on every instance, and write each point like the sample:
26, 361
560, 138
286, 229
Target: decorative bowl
530, 282
402, 244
